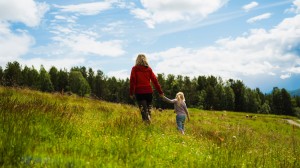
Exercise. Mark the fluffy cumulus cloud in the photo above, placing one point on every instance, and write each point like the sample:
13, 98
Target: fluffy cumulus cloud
88, 45
261, 52
250, 6
13, 45
92, 8
157, 11
259, 17
295, 7
28, 12
84, 41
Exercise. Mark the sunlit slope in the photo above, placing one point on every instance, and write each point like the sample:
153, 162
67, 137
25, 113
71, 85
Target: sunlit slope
51, 130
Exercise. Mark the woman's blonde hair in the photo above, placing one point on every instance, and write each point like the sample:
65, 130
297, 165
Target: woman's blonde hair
180, 97
141, 60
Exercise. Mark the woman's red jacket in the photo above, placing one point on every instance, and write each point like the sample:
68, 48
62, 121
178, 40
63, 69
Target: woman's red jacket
140, 78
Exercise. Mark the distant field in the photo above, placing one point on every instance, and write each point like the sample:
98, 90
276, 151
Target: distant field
51, 130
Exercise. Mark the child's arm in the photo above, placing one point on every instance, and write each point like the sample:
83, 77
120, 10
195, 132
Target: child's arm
168, 100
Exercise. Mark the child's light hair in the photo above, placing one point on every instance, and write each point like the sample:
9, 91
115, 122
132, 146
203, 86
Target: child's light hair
180, 97
141, 60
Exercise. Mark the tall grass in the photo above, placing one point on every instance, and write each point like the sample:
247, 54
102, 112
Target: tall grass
51, 130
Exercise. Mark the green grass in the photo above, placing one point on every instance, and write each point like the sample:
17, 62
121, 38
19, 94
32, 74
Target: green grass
51, 130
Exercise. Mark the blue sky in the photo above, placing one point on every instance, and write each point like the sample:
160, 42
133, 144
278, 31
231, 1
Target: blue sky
257, 42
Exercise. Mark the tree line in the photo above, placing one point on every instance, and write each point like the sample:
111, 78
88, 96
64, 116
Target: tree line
204, 92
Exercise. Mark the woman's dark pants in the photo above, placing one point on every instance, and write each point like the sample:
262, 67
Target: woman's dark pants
144, 101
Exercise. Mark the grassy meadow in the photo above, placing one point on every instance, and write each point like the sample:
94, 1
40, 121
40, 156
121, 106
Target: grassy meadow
51, 130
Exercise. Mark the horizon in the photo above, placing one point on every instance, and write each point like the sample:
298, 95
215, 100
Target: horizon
256, 42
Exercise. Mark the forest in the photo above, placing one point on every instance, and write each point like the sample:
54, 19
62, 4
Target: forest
202, 92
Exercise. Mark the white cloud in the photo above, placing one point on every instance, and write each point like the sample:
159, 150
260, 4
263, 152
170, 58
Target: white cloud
86, 44
295, 7
295, 69
260, 52
157, 11
92, 8
259, 17
122, 74
114, 28
13, 45
285, 76
28, 12
250, 6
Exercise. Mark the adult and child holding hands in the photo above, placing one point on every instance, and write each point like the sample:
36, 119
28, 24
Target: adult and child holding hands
140, 88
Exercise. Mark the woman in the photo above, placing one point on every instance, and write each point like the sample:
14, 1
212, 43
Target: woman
140, 78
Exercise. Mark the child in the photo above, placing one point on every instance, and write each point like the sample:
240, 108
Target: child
180, 109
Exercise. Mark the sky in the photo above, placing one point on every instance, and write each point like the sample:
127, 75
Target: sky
257, 42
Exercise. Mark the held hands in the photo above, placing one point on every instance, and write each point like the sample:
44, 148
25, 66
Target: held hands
132, 96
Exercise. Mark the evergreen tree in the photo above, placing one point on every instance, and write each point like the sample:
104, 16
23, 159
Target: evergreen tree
80, 69
229, 98
179, 82
1, 75
210, 98
252, 101
297, 101
78, 84
45, 83
157, 102
193, 94
201, 83
33, 78
265, 108
286, 102
112, 88
25, 73
276, 101
91, 79
12, 74
201, 99
187, 90
124, 92
239, 94
63, 81
220, 97
99, 85
53, 72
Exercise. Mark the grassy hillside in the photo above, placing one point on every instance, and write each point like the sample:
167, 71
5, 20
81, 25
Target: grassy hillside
51, 130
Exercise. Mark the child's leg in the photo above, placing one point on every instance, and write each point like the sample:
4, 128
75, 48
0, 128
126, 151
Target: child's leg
179, 122
180, 119
183, 121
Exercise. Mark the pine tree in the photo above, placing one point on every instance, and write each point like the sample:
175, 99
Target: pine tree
63, 81
78, 84
12, 74
1, 75
45, 83
99, 85
286, 102
53, 72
